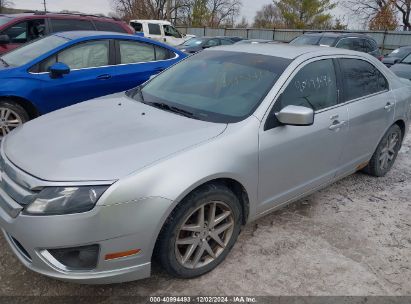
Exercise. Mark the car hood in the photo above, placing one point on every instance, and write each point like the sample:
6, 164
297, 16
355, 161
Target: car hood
402, 70
103, 139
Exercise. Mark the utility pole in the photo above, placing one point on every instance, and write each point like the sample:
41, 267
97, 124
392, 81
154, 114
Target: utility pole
168, 10
45, 6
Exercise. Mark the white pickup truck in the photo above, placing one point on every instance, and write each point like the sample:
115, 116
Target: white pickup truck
159, 30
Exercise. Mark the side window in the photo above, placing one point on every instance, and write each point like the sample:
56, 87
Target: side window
370, 46
62, 25
138, 27
357, 45
84, 55
163, 54
171, 31
314, 86
154, 29
109, 26
225, 42
18, 33
345, 43
361, 78
134, 52
212, 42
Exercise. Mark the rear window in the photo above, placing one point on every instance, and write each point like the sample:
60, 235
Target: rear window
138, 27
4, 20
63, 25
109, 27
306, 39
154, 29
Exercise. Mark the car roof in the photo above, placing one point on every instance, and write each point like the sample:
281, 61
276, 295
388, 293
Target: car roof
151, 21
59, 15
283, 50
338, 35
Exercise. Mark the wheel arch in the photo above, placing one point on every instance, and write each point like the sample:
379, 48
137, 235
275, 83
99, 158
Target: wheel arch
27, 105
401, 124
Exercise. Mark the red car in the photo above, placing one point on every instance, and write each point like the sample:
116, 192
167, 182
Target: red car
17, 29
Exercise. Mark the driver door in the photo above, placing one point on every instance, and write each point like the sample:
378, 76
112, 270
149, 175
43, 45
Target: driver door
297, 159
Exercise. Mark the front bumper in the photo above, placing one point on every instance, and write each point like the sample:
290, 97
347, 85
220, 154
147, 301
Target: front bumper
115, 228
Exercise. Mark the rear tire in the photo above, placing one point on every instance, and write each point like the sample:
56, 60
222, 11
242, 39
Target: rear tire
386, 153
200, 232
12, 115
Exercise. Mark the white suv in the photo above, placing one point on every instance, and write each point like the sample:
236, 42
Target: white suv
159, 30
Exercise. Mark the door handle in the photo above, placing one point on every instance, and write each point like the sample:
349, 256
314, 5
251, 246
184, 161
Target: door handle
389, 106
337, 125
104, 77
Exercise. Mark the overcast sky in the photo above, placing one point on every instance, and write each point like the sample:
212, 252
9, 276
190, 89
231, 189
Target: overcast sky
103, 6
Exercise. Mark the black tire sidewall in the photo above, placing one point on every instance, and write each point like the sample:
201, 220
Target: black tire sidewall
187, 206
374, 166
16, 108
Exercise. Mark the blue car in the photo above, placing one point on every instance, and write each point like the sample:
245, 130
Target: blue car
70, 67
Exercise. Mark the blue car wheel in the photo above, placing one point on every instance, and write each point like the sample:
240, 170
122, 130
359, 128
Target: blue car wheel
12, 115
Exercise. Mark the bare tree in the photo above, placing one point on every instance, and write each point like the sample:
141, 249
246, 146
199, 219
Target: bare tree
268, 17
404, 7
243, 23
223, 11
5, 4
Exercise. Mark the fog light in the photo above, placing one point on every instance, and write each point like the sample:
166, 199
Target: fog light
77, 258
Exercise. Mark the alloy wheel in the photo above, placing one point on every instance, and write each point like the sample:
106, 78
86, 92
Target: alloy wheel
204, 234
9, 120
389, 151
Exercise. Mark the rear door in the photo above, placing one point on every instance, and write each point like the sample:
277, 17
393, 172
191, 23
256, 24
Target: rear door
297, 159
137, 61
154, 31
371, 108
91, 67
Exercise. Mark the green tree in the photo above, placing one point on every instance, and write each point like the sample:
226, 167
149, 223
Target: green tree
200, 13
302, 14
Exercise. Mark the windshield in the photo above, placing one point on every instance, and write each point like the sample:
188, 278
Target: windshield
216, 86
31, 51
306, 39
4, 20
194, 42
399, 53
327, 41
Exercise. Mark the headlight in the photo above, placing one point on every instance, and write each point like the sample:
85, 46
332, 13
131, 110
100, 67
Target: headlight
65, 200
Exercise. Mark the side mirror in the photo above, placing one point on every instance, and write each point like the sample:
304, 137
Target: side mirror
296, 116
4, 39
59, 69
397, 60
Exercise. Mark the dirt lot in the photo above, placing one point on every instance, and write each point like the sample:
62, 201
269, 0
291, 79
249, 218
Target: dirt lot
353, 238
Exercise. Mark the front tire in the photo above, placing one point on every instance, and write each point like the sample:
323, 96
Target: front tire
200, 232
12, 115
386, 153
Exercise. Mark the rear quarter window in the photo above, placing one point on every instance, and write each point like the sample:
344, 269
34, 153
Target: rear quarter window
109, 27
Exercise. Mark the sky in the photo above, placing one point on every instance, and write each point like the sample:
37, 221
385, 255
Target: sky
250, 7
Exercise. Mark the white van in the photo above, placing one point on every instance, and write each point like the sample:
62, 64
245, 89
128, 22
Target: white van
159, 30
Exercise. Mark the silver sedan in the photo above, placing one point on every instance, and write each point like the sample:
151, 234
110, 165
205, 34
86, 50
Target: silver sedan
172, 169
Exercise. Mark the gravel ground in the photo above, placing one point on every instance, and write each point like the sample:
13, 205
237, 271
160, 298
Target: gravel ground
353, 238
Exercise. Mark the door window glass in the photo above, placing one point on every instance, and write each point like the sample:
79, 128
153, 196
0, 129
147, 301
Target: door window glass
361, 78
171, 31
134, 52
212, 42
225, 42
314, 86
138, 27
154, 29
62, 25
85, 55
25, 31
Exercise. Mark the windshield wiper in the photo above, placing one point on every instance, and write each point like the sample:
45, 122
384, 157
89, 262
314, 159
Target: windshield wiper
172, 109
4, 62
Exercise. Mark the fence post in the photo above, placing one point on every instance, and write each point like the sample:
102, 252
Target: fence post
205, 31
273, 34
247, 32
383, 42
